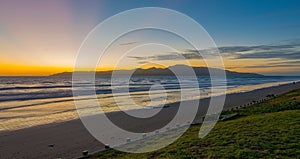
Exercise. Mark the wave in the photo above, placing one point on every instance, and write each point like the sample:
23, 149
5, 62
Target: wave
26, 88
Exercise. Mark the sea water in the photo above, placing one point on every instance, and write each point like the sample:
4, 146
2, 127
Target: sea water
33, 101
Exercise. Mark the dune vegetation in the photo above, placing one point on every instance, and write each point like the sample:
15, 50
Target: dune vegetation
265, 130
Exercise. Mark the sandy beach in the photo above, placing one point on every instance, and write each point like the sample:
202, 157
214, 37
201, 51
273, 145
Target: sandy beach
69, 139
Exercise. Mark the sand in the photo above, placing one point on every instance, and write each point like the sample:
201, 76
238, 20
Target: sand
69, 139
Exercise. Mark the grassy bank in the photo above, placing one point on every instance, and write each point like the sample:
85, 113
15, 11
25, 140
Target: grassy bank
266, 130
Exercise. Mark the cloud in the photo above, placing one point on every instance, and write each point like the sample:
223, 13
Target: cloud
168, 56
284, 54
231, 49
290, 50
286, 64
129, 43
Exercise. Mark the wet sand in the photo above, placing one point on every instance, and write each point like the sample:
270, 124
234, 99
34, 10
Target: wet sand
69, 139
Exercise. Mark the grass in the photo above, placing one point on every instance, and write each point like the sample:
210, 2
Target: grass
266, 130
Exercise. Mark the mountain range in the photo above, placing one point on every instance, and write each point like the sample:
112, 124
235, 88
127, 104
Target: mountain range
181, 70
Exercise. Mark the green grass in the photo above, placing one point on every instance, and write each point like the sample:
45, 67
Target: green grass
267, 130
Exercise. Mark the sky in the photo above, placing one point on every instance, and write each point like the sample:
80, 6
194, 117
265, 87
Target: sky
43, 37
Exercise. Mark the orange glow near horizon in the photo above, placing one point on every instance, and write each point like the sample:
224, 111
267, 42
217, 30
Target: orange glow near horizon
238, 65
25, 70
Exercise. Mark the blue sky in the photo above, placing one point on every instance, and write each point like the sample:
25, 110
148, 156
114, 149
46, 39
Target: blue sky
52, 31
231, 22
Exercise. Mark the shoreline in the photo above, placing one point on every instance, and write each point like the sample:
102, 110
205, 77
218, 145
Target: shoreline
72, 114
70, 138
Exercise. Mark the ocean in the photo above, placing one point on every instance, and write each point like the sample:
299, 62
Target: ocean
33, 101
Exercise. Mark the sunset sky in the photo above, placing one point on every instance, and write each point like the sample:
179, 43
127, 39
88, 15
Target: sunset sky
43, 37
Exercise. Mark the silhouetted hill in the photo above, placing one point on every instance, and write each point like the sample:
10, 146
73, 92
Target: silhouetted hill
181, 70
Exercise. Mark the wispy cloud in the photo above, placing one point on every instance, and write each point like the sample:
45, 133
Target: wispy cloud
284, 54
129, 43
287, 54
288, 50
286, 64
168, 56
